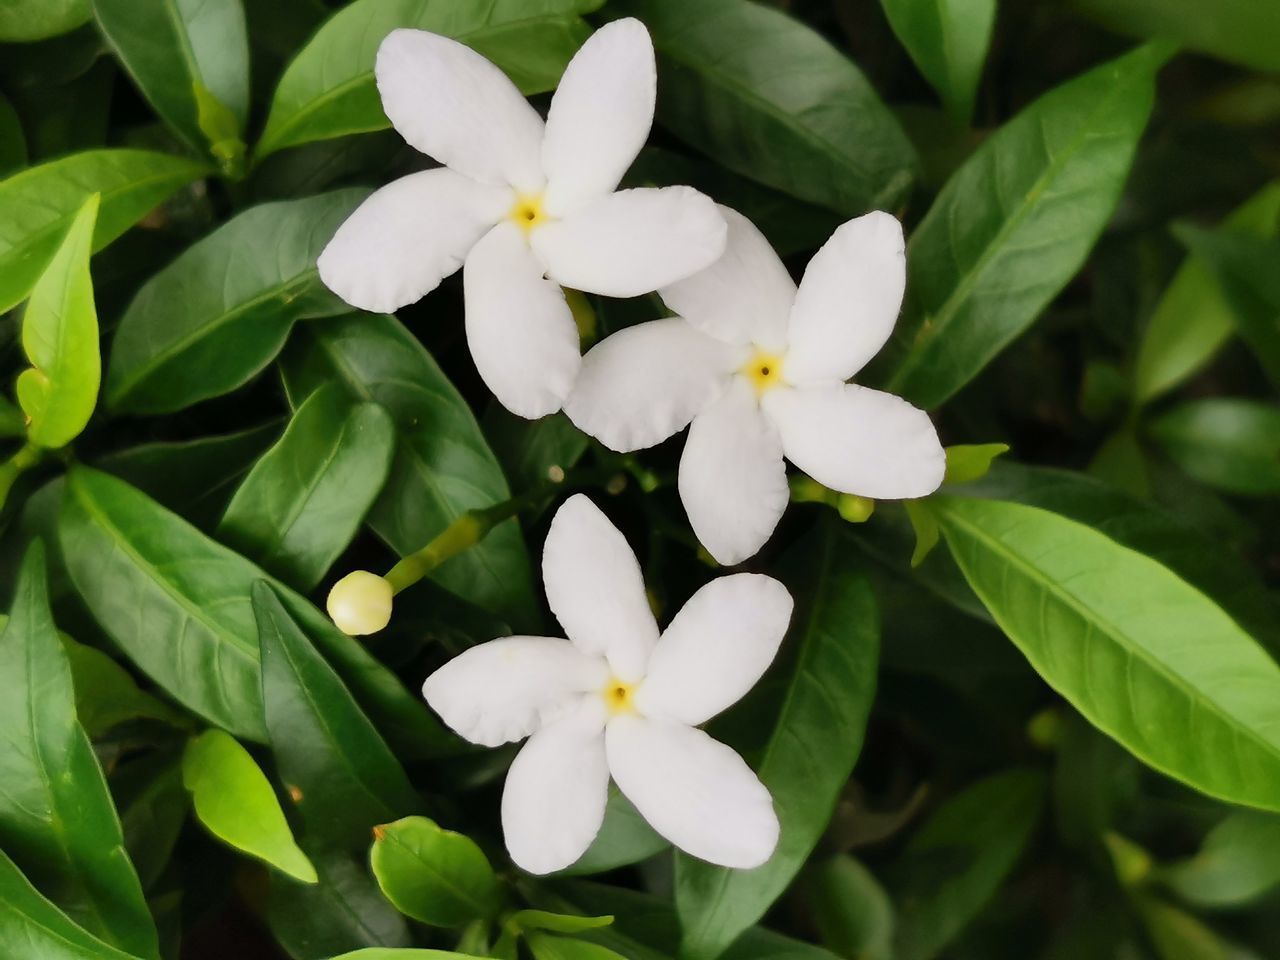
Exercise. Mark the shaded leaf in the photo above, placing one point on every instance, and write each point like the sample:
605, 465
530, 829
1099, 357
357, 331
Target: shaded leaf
625, 837
432, 875
22, 21
106, 693
852, 910
1240, 31
153, 808
1238, 863
547, 947
13, 142
1229, 443
948, 41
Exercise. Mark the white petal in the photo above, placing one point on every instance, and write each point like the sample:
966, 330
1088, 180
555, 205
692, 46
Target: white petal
745, 296
645, 383
452, 104
506, 689
401, 242
733, 480
519, 327
600, 115
693, 790
596, 590
554, 799
632, 242
857, 440
848, 300
717, 647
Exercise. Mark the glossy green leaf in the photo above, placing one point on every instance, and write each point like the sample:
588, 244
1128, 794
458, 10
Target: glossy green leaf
234, 800
328, 90
811, 752
242, 287
442, 468
625, 837
1238, 863
967, 462
302, 503
60, 337
768, 97
22, 21
1193, 317
1142, 654
38, 205
524, 920
339, 773
1016, 222
544, 946
955, 862
948, 40
13, 142
432, 875
1229, 443
106, 693
1240, 31
175, 48
852, 910
56, 817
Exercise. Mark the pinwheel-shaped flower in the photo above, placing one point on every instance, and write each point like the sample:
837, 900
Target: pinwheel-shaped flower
759, 368
528, 206
618, 699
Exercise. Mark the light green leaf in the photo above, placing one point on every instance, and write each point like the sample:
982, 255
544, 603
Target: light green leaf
1143, 655
1177, 935
1240, 31
1229, 443
1238, 863
852, 910
234, 800
242, 288
967, 462
328, 90
56, 817
769, 98
1016, 222
302, 503
432, 875
547, 947
811, 752
106, 693
948, 40
524, 920
60, 337
22, 21
395, 953
38, 205
625, 837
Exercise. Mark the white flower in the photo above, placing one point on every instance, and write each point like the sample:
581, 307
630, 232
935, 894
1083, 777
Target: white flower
527, 205
758, 367
617, 698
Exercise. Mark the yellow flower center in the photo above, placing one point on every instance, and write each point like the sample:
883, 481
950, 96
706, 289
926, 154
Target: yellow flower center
619, 696
528, 211
764, 370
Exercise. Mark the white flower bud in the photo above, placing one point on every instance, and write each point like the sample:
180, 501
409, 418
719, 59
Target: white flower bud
360, 603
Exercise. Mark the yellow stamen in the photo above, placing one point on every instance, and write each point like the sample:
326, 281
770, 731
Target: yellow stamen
528, 211
764, 370
618, 696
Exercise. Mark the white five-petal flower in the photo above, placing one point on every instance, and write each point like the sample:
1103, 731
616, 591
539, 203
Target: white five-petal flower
758, 367
527, 205
617, 698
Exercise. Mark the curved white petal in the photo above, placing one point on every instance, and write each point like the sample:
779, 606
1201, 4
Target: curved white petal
596, 590
600, 115
401, 242
645, 383
632, 242
519, 327
717, 647
450, 103
693, 790
554, 798
848, 300
506, 689
743, 297
733, 480
857, 440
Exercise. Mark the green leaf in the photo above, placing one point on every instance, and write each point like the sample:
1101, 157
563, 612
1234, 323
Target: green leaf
242, 287
811, 752
547, 947
768, 97
1194, 318
107, 694
175, 48
524, 920
1177, 935
22, 21
153, 810
432, 875
56, 816
625, 837
394, 953
13, 142
956, 861
60, 337
967, 462
38, 205
1229, 443
340, 774
12, 421
234, 800
328, 90
1238, 863
302, 503
1016, 222
1240, 31
533, 451
852, 910
442, 468
1143, 655
948, 40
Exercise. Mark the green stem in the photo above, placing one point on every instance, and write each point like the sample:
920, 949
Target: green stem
26, 458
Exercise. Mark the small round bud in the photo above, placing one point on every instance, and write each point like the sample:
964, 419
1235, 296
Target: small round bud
360, 603
855, 509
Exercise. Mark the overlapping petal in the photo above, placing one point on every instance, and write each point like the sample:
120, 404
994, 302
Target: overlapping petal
858, 440
645, 383
596, 590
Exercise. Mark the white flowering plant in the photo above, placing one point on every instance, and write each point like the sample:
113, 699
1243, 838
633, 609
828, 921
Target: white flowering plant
644, 479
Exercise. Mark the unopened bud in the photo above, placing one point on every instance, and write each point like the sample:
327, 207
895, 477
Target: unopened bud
855, 509
360, 603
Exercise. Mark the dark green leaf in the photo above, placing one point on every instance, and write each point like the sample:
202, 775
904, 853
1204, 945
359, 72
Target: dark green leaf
393, 953
1239, 862
106, 693
432, 875
242, 287
948, 41
153, 809
1177, 935
523, 920
22, 21
1241, 31
547, 947
771, 99
56, 816
13, 142
811, 752
852, 910
1016, 222
625, 837
1231, 444
533, 451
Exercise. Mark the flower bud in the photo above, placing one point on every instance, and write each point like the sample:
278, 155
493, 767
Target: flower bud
360, 603
855, 509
